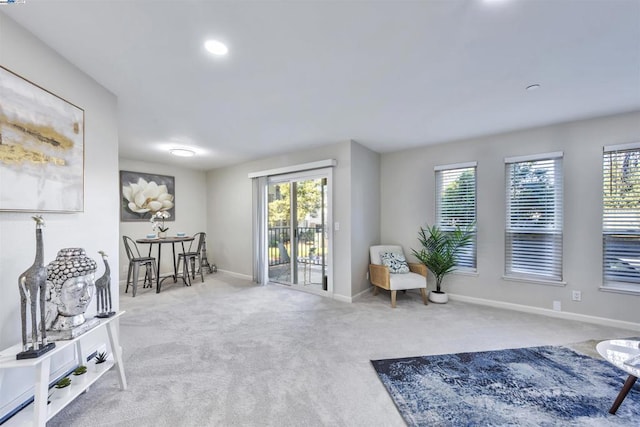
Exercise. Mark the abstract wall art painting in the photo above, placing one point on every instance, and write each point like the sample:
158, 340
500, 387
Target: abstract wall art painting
41, 149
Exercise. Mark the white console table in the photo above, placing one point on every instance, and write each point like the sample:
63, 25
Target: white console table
38, 412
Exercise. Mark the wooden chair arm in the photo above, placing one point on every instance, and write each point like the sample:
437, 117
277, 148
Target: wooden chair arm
419, 268
379, 276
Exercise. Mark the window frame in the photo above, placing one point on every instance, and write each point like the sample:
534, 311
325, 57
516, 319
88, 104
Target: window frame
439, 171
620, 286
547, 236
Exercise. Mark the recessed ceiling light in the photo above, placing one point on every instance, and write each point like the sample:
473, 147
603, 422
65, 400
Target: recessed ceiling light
535, 86
182, 152
215, 47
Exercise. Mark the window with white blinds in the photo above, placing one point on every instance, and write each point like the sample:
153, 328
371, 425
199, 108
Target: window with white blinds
456, 205
533, 235
621, 218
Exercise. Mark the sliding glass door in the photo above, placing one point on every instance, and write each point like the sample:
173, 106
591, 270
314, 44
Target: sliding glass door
297, 232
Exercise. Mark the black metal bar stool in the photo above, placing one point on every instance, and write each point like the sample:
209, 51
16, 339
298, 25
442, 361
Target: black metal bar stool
135, 261
189, 258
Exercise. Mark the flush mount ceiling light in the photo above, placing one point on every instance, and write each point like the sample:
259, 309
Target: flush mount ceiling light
216, 48
535, 86
182, 152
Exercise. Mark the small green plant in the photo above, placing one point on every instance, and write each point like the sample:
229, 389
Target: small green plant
65, 382
101, 357
80, 370
440, 249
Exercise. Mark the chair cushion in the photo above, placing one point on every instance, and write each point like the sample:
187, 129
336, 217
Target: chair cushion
398, 282
396, 262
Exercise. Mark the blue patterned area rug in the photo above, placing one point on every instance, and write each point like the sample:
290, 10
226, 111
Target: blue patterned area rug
537, 386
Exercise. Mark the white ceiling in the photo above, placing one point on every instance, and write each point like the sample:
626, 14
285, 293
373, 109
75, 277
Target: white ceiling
388, 74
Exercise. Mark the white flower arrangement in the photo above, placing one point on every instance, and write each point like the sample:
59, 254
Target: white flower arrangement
157, 221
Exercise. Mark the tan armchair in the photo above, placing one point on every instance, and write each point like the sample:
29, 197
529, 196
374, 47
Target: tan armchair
381, 277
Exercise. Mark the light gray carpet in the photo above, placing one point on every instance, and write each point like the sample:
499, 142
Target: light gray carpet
229, 353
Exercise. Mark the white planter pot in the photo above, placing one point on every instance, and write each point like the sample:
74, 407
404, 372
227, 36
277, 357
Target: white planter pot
62, 392
438, 298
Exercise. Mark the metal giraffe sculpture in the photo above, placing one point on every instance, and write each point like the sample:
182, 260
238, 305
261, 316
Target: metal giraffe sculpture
32, 284
103, 290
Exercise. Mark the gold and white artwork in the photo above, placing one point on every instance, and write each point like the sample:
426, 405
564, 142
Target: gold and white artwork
41, 149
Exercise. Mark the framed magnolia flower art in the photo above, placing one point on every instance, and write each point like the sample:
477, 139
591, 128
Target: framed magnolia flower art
143, 195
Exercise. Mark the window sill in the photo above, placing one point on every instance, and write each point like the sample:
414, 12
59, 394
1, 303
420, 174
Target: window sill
536, 281
621, 289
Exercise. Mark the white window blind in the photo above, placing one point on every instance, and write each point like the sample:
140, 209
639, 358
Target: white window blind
456, 206
621, 218
533, 236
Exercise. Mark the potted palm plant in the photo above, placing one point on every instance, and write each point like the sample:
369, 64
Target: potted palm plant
439, 253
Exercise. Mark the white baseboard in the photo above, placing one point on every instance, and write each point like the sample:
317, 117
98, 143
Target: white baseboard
351, 298
342, 298
238, 275
362, 293
547, 312
123, 282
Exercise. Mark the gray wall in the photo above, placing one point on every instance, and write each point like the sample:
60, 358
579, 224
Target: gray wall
190, 211
92, 229
230, 207
365, 212
407, 194
356, 206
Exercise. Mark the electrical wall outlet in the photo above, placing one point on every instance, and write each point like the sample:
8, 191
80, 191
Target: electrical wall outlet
576, 295
557, 306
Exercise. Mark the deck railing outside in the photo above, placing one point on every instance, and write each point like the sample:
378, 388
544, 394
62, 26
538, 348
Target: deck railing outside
310, 245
